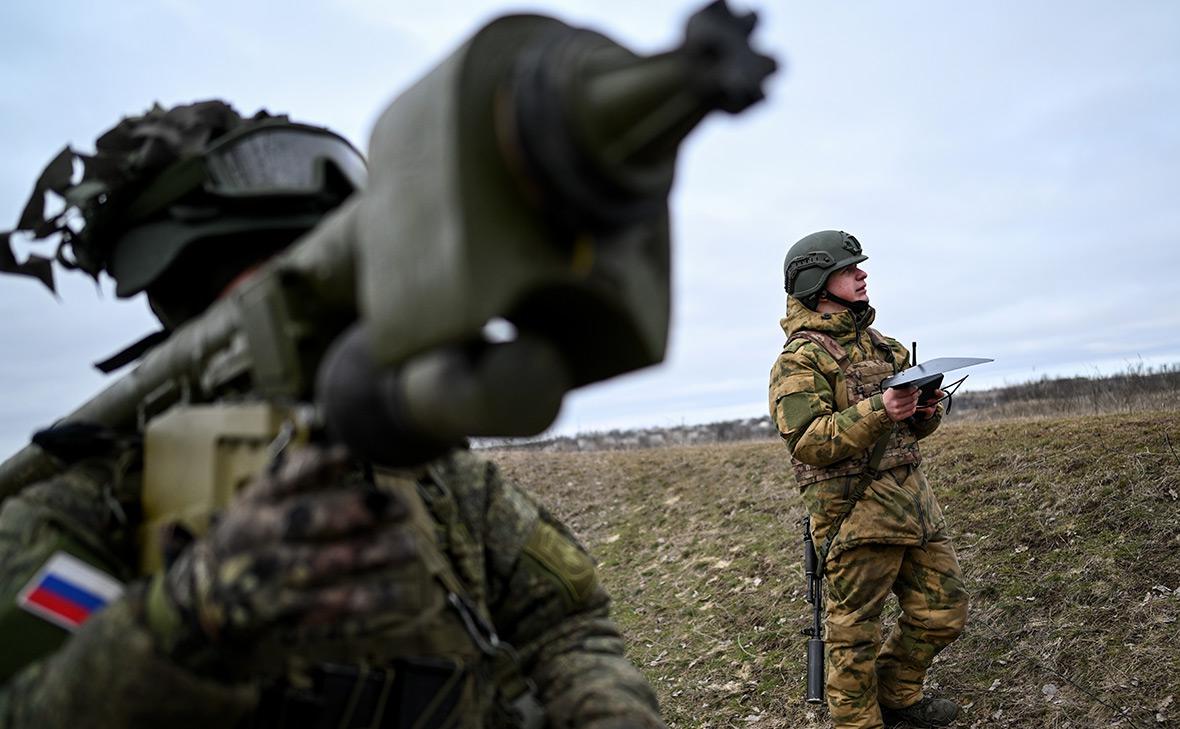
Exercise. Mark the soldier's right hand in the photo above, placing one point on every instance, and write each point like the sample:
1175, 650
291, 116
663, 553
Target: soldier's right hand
900, 402
298, 548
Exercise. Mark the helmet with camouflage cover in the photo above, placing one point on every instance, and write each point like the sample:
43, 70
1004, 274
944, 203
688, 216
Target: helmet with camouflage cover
815, 257
177, 202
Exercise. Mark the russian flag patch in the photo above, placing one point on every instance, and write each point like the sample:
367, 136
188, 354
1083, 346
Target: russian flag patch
66, 591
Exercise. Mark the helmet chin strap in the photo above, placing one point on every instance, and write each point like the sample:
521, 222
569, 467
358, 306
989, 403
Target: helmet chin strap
856, 307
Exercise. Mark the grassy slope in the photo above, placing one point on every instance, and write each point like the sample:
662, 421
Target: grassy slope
1068, 531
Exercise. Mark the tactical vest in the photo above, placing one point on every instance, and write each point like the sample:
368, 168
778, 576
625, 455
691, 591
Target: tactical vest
861, 381
436, 662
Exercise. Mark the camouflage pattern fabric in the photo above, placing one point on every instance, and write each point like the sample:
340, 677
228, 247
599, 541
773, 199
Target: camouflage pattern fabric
292, 552
830, 443
519, 566
894, 540
863, 380
929, 586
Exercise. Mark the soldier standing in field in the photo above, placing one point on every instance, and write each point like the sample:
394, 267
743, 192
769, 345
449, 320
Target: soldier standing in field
843, 432
330, 593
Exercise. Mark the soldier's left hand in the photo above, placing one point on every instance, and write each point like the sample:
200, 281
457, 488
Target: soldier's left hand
925, 412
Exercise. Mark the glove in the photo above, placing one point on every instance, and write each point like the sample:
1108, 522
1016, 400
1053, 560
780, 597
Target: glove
296, 549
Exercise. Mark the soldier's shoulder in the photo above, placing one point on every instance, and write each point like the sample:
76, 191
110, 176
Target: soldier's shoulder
800, 353
80, 493
464, 473
487, 501
899, 349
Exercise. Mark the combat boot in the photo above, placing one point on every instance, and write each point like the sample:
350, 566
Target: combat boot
927, 713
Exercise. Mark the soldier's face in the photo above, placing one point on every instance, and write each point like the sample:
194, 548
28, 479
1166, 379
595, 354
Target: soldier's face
849, 283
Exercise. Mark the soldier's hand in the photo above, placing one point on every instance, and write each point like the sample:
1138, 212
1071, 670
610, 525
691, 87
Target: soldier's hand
298, 548
900, 402
925, 412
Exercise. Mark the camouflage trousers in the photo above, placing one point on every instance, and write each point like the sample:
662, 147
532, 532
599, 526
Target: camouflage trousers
861, 675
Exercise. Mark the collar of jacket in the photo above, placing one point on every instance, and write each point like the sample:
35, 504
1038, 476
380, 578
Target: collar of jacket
840, 325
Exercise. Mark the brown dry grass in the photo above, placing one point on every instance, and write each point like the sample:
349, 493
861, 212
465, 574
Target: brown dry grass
1068, 531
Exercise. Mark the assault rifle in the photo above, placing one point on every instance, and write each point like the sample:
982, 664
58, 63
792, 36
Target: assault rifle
524, 179
815, 642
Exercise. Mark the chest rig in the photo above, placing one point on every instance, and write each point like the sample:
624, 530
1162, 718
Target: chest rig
861, 380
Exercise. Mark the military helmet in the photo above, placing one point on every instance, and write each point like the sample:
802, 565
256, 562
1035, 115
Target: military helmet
817, 256
271, 175
160, 183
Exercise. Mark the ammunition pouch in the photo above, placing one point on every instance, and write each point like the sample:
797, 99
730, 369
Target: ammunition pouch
408, 693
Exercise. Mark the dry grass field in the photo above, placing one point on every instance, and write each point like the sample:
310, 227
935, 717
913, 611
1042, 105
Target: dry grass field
1068, 530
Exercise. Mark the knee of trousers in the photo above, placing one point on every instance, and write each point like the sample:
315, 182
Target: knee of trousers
942, 626
857, 634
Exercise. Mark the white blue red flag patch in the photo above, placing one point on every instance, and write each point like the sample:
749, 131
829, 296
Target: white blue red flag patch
67, 591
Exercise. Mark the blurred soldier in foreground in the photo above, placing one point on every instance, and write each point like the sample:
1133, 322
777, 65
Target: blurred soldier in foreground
195, 548
858, 467
320, 558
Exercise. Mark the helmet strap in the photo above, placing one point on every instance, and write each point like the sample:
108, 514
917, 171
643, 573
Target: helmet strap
856, 307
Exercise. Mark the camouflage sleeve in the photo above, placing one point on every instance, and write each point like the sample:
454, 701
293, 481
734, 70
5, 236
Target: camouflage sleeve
923, 428
804, 410
546, 600
107, 673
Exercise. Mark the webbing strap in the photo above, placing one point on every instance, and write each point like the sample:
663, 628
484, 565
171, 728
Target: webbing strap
516, 693
827, 342
862, 484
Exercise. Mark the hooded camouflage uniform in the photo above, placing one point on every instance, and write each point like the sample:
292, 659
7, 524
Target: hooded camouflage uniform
518, 566
831, 414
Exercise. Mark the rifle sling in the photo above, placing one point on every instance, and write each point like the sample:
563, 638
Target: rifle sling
862, 484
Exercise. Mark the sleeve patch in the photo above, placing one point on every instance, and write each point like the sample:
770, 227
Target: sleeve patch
799, 382
66, 591
563, 561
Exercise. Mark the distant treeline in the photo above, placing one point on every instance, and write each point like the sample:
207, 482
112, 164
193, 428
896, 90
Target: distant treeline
1139, 389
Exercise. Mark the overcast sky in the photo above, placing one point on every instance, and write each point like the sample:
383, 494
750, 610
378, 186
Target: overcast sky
1011, 168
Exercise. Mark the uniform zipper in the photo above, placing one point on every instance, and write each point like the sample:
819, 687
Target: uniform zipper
856, 332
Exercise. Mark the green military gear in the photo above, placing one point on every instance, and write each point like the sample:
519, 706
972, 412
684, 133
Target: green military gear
862, 379
864, 675
299, 548
284, 172
521, 580
830, 411
815, 257
164, 180
926, 714
558, 557
826, 400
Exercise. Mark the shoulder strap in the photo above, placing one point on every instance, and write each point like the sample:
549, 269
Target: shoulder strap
827, 342
880, 343
516, 694
862, 484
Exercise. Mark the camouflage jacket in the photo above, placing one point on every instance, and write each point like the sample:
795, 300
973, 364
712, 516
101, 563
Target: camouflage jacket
831, 444
109, 673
